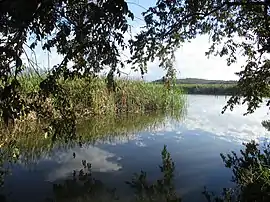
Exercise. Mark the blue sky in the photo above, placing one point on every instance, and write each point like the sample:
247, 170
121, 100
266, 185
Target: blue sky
190, 58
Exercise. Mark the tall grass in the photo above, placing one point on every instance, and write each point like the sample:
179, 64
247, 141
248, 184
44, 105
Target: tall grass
92, 97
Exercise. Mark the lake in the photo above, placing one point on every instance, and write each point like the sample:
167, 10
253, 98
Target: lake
194, 142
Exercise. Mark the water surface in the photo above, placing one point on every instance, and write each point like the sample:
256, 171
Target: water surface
194, 142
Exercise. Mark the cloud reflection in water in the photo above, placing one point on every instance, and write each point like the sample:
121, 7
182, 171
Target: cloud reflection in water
97, 157
204, 116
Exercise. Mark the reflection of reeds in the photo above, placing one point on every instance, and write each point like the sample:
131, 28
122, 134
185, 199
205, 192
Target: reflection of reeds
25, 141
32, 142
106, 128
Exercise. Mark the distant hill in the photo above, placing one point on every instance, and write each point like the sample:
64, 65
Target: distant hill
199, 81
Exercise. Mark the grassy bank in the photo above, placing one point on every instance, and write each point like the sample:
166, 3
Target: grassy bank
89, 99
208, 89
92, 97
130, 96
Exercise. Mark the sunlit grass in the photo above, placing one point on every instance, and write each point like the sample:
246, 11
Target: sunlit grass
130, 96
91, 96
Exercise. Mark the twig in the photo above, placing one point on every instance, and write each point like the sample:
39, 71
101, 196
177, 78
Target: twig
31, 62
177, 25
133, 3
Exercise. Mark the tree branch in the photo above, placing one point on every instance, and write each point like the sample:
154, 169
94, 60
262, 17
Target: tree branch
176, 26
252, 3
133, 3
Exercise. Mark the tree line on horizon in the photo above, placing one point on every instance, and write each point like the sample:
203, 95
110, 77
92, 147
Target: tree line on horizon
199, 81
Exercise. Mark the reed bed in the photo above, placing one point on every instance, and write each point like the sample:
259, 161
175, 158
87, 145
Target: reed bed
133, 106
92, 97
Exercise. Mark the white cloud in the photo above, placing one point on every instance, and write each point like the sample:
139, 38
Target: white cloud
190, 58
97, 157
190, 62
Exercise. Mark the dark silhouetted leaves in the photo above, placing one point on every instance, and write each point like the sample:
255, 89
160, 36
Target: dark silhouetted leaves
89, 33
170, 23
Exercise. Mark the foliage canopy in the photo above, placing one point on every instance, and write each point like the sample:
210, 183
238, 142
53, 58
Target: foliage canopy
236, 26
88, 33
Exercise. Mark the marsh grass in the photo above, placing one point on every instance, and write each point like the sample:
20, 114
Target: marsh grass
130, 96
90, 96
111, 115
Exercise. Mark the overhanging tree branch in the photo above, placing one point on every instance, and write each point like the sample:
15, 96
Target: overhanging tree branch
177, 26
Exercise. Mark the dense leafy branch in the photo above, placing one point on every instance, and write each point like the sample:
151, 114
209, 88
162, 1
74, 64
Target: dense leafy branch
170, 23
87, 33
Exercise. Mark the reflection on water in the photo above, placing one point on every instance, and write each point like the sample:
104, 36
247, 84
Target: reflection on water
117, 148
204, 114
65, 162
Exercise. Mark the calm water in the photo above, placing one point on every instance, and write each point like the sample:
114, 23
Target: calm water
194, 143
